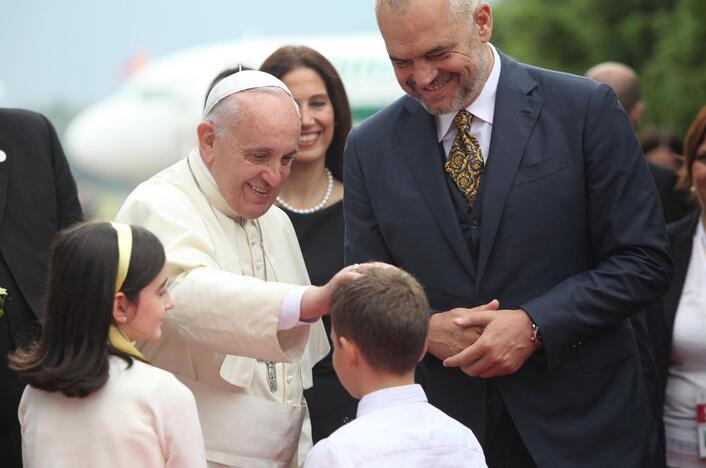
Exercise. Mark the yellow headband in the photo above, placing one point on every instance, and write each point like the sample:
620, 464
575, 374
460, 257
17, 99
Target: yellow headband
116, 337
124, 252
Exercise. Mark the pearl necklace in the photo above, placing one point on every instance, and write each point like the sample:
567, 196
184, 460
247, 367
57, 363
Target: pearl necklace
318, 206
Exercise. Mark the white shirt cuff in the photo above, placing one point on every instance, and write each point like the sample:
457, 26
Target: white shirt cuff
291, 309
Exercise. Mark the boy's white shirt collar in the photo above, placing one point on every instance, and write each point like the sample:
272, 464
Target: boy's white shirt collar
390, 397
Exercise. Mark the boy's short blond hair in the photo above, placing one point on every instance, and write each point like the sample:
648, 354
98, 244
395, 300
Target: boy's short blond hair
385, 312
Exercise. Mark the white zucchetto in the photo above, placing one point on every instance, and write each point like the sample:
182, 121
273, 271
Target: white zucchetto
241, 81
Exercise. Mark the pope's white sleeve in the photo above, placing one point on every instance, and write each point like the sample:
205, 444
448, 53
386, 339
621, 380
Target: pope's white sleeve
215, 309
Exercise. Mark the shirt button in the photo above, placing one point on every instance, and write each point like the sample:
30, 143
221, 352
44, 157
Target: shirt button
289, 379
253, 242
475, 224
258, 265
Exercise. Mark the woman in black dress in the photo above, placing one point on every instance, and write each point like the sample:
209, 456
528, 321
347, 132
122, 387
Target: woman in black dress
313, 199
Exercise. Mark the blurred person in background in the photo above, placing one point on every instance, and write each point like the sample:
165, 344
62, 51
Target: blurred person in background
662, 149
663, 152
312, 197
38, 198
678, 320
626, 85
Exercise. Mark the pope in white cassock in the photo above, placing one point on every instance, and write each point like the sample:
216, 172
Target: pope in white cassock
244, 332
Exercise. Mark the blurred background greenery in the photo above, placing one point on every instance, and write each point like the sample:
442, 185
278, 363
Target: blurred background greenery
663, 40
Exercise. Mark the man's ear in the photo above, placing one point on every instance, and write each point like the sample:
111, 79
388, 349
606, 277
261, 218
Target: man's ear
636, 114
207, 139
121, 308
350, 351
483, 22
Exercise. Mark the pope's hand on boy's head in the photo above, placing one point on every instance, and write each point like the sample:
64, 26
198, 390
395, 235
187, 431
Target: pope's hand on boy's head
316, 301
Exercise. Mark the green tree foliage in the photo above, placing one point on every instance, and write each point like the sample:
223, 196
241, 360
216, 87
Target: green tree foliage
662, 40
674, 81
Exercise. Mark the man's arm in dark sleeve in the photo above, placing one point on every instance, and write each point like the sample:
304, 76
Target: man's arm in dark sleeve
627, 234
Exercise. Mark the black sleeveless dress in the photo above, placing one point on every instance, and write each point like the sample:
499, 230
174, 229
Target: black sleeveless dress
320, 237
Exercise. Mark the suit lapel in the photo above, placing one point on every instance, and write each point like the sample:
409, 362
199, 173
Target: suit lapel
422, 155
516, 112
4, 178
681, 247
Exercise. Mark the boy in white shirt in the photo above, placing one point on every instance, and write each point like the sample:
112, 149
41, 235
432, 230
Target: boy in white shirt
379, 329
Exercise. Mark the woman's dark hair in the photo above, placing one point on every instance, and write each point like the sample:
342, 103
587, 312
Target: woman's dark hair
692, 141
289, 58
71, 355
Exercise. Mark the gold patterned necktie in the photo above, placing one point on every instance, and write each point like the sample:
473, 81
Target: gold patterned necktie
465, 162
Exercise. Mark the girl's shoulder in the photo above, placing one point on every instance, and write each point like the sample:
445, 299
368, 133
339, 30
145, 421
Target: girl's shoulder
145, 380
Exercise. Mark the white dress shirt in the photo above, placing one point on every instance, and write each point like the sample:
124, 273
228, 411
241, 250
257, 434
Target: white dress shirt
397, 427
142, 416
686, 380
482, 109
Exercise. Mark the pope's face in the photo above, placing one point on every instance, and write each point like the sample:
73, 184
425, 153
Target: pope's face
440, 60
252, 158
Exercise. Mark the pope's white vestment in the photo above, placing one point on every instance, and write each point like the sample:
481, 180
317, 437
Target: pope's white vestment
228, 277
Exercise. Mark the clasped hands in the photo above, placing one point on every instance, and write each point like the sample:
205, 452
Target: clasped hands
483, 341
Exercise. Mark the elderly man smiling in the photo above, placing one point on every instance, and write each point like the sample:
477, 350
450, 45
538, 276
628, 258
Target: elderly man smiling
242, 336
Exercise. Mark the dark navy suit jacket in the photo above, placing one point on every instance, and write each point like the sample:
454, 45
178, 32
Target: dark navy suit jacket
570, 230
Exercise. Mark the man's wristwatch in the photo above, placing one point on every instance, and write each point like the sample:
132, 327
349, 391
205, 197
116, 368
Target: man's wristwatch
535, 336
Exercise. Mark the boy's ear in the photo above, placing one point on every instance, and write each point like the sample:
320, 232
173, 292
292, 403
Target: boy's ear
350, 351
424, 351
121, 308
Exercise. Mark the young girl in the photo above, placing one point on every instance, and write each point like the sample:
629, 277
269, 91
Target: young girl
92, 399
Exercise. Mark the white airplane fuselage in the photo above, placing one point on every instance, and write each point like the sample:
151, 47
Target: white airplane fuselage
150, 122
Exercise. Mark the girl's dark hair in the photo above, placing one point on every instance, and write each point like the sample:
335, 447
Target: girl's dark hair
289, 58
71, 355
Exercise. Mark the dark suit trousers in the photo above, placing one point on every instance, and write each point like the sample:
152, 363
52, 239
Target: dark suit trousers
10, 393
18, 327
504, 447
